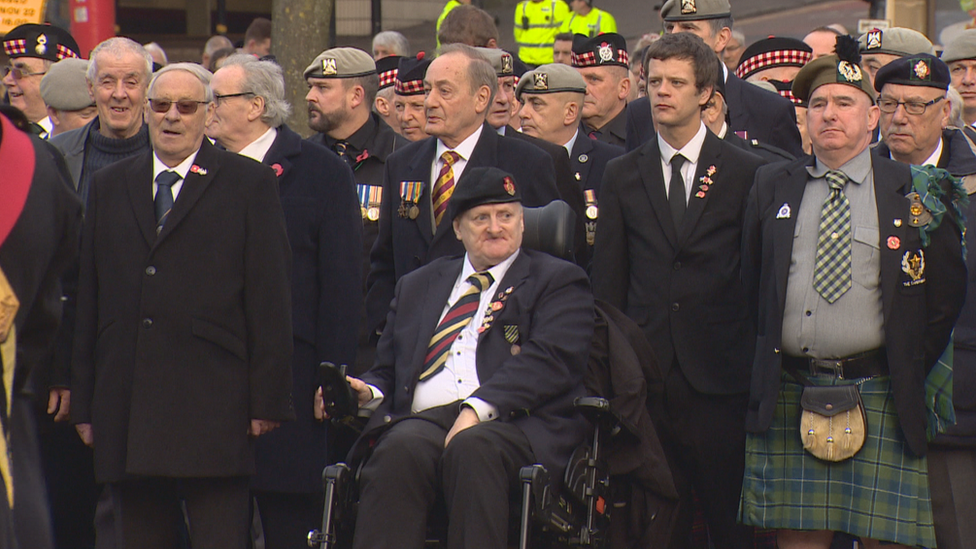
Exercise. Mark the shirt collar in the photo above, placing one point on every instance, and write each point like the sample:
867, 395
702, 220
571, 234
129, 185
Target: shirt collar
856, 169
465, 148
571, 143
359, 138
725, 72
724, 131
497, 272
690, 151
936, 156
181, 169
259, 148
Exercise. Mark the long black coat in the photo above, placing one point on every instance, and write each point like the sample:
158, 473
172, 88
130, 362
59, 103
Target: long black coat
325, 231
183, 337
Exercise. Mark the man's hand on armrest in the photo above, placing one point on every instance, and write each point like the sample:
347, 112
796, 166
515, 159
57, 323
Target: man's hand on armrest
369, 397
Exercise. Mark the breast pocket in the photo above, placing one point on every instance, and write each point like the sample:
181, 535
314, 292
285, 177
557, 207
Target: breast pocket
865, 257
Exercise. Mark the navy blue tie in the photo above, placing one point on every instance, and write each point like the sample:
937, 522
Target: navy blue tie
163, 202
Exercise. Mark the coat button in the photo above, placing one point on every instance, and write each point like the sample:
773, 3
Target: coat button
677, 265
147, 323
150, 270
387, 419
675, 307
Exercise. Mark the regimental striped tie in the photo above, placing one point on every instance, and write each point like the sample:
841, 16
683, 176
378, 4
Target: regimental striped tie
444, 186
832, 273
454, 321
163, 201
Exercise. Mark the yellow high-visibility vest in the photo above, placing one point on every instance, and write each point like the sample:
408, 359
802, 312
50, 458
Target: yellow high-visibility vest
451, 4
593, 23
536, 27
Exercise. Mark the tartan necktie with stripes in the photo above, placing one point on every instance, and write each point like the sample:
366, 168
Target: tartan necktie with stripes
457, 317
444, 186
832, 273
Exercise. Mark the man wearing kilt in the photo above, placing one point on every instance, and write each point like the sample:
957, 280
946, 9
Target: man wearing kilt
855, 270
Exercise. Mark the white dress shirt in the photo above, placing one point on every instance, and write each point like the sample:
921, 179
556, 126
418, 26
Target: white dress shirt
181, 170
691, 151
464, 149
258, 149
571, 143
934, 159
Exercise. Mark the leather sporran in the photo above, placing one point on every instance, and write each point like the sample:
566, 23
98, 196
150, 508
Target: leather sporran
833, 426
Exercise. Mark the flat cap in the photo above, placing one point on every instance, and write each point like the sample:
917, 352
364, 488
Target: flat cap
552, 78
387, 68
894, 41
410, 75
41, 41
695, 10
917, 70
500, 60
480, 186
773, 52
608, 49
963, 47
842, 67
341, 63
65, 86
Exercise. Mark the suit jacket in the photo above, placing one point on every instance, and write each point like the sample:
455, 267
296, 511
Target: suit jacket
324, 225
185, 336
681, 286
918, 318
589, 160
614, 132
405, 244
552, 307
769, 153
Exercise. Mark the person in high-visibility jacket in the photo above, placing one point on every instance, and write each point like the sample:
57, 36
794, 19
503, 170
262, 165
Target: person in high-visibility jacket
451, 4
587, 20
537, 23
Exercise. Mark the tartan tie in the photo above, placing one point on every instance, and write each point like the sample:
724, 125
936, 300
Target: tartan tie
457, 317
832, 273
163, 202
444, 186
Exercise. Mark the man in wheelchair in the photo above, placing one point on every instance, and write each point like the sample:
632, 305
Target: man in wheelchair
475, 376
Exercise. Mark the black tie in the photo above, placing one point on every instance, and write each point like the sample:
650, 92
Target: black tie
163, 202
676, 190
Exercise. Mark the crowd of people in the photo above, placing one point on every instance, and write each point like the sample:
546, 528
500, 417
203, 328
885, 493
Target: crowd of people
783, 221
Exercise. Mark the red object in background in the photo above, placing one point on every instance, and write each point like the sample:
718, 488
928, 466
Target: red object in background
92, 22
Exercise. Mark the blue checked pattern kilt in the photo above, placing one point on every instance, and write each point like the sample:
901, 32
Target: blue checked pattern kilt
881, 493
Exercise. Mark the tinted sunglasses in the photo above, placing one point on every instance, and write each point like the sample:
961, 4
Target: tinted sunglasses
20, 72
184, 106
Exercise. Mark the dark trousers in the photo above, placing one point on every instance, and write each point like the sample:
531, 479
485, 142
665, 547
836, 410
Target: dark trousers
704, 440
952, 483
287, 518
148, 512
71, 488
409, 467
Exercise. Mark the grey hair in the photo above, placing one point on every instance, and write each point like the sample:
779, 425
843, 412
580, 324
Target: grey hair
117, 46
480, 70
154, 47
955, 108
396, 42
217, 42
202, 74
266, 80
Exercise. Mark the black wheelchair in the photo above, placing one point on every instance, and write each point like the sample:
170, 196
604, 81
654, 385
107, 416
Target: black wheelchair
575, 512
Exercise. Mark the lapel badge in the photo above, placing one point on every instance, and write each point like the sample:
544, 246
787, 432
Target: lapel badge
511, 334
688, 6
914, 266
583, 158
329, 67
198, 170
897, 222
918, 214
874, 39
894, 242
578, 176
541, 81
784, 212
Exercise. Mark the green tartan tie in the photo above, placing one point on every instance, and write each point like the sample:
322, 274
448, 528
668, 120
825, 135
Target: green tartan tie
832, 273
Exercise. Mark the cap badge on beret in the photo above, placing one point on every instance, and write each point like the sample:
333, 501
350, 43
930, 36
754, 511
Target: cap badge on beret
874, 39
41, 47
541, 81
509, 185
507, 63
921, 70
849, 72
688, 7
606, 53
329, 67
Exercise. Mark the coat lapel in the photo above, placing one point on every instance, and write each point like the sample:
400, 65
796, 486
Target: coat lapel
194, 185
711, 155
891, 204
787, 193
514, 277
439, 287
139, 186
582, 146
286, 144
419, 170
649, 166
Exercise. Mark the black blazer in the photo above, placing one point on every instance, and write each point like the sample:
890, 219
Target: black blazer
681, 286
404, 244
613, 132
918, 318
589, 160
324, 226
552, 306
182, 337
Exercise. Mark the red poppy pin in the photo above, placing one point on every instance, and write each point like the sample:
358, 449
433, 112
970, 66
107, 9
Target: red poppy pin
894, 242
198, 170
509, 185
277, 169
362, 156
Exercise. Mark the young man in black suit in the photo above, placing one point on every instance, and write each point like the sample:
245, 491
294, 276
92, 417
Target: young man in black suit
475, 377
183, 343
666, 255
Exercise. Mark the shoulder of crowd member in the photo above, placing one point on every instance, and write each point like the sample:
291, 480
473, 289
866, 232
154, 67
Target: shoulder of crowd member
961, 145
72, 139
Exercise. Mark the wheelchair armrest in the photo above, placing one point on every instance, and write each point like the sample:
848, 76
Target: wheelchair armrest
597, 411
341, 402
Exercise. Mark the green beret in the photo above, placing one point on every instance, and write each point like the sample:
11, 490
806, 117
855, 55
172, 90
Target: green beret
830, 70
552, 78
341, 63
695, 10
894, 41
480, 186
963, 47
65, 86
501, 60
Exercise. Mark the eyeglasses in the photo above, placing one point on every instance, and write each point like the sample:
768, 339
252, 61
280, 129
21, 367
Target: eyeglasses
889, 106
184, 106
20, 72
218, 98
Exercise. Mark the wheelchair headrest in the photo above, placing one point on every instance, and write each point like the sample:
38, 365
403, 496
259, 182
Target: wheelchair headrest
549, 229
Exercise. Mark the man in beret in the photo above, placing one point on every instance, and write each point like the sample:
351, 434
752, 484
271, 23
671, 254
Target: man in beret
386, 70
421, 177
475, 376
64, 90
914, 115
882, 46
342, 88
852, 283
756, 113
671, 215
604, 64
32, 50
960, 56
408, 96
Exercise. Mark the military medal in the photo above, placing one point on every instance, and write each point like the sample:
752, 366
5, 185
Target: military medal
375, 199
413, 212
410, 192
918, 215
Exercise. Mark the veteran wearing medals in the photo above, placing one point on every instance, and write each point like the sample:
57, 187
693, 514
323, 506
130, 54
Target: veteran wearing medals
325, 231
914, 115
475, 377
856, 289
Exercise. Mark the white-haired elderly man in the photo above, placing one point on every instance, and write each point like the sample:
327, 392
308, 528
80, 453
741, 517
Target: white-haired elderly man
183, 344
390, 43
318, 196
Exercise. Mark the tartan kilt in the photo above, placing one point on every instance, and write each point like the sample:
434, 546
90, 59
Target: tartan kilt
881, 493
